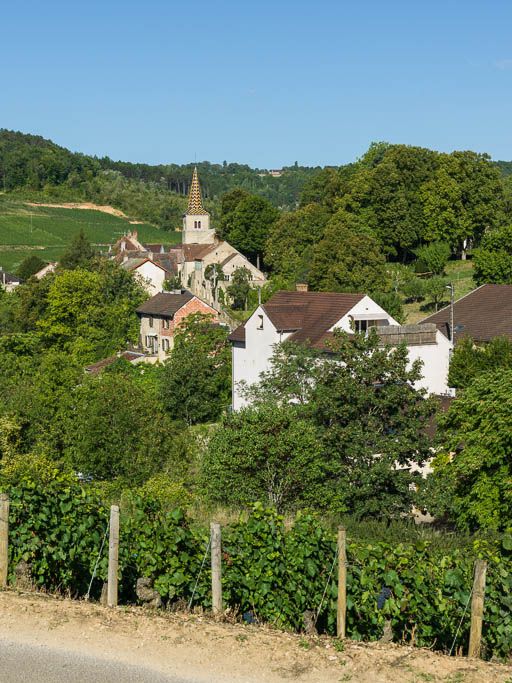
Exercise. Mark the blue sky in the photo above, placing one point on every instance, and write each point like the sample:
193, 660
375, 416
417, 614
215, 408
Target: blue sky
266, 83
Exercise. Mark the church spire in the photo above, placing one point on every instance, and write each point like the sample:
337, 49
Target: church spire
195, 203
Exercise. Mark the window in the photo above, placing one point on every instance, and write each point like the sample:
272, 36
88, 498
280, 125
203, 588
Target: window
364, 325
165, 345
165, 323
260, 322
199, 225
151, 321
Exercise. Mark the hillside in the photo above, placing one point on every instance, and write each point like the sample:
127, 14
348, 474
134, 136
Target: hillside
34, 164
47, 230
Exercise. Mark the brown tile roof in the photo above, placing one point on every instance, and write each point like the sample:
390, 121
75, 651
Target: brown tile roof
238, 334
96, 368
196, 252
165, 303
309, 315
155, 248
483, 314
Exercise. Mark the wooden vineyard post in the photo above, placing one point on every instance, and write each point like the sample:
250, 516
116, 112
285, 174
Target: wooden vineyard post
341, 614
4, 539
216, 553
113, 556
477, 609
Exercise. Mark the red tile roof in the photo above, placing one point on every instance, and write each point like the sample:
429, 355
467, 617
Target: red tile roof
483, 314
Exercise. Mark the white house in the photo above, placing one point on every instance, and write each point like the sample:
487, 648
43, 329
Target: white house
311, 318
8, 281
150, 274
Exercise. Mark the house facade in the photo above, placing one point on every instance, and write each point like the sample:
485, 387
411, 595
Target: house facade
311, 318
8, 281
162, 315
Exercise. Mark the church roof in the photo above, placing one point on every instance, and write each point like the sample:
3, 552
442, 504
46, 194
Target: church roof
195, 203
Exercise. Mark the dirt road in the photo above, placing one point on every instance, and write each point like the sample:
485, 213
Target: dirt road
194, 647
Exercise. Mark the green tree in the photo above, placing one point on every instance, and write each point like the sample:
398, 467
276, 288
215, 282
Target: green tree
196, 379
291, 240
435, 290
112, 428
349, 258
462, 200
432, 258
30, 266
473, 471
240, 287
469, 360
91, 313
79, 254
267, 454
369, 420
247, 226
493, 261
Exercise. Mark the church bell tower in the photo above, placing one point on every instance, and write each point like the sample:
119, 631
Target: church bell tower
196, 222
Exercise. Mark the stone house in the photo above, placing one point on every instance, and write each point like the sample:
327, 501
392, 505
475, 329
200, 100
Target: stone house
162, 315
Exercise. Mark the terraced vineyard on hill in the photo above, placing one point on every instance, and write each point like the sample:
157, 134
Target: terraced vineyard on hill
47, 230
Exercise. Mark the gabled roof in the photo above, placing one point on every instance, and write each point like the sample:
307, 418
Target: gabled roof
196, 252
8, 278
165, 303
309, 315
483, 314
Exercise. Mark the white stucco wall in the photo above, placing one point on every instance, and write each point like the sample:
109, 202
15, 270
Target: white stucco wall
250, 361
151, 277
436, 363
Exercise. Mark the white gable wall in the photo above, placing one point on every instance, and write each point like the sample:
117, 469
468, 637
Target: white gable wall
366, 309
151, 276
436, 363
251, 359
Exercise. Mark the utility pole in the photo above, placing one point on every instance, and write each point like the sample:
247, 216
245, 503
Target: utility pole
452, 301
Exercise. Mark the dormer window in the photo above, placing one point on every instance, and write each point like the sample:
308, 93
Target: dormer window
260, 322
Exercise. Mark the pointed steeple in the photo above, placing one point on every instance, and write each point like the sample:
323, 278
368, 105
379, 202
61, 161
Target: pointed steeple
195, 203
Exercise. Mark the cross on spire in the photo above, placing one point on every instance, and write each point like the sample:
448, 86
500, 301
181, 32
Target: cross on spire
195, 203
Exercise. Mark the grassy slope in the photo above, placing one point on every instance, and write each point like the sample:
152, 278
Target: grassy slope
458, 272
47, 231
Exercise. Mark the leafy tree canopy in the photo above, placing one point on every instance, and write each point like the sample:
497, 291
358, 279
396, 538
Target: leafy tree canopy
472, 474
196, 379
348, 258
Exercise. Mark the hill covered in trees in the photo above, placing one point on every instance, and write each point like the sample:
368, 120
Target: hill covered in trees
32, 164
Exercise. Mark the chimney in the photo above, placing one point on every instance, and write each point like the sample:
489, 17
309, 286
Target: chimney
302, 286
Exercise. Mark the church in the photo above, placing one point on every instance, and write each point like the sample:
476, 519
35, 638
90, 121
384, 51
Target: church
189, 261
201, 248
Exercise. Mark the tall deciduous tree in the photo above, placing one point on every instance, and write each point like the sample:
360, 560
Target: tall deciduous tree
291, 240
196, 380
247, 222
472, 473
462, 200
348, 258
